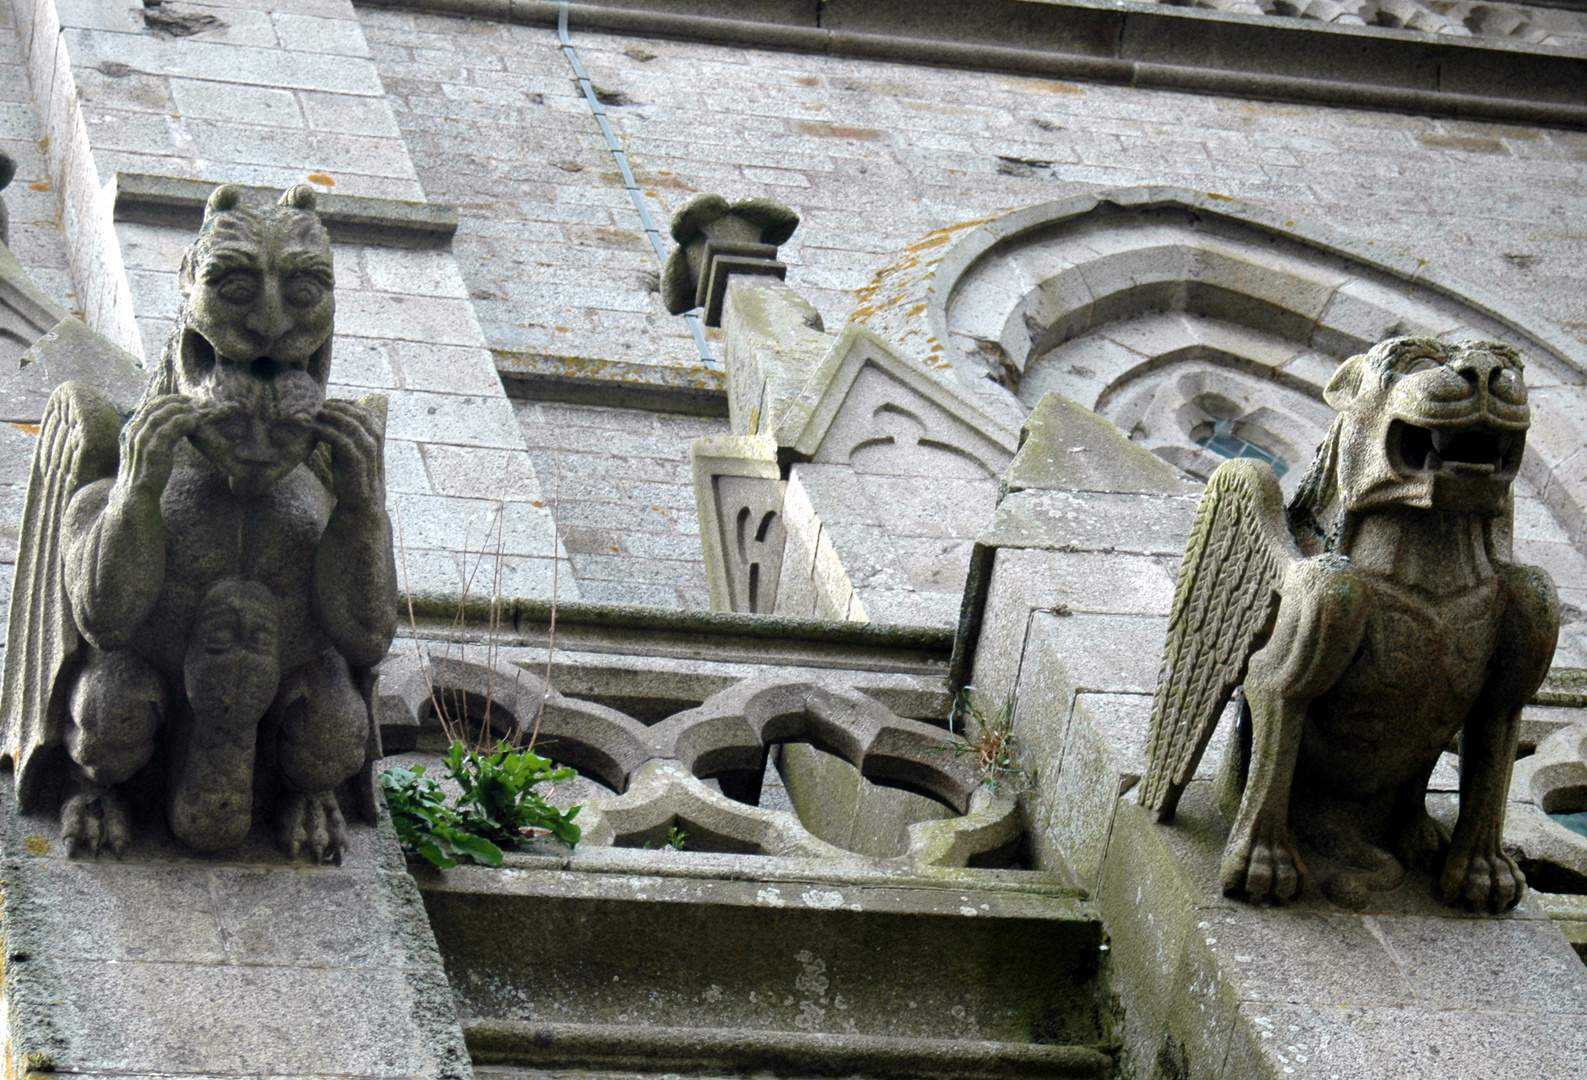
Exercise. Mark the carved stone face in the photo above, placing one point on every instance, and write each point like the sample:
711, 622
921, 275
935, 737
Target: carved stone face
1431, 424
256, 336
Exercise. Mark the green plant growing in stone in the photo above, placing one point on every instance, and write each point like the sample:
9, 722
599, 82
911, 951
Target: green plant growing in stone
496, 807
989, 738
677, 838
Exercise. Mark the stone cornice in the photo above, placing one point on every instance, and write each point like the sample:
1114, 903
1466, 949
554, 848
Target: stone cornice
350, 219
1144, 45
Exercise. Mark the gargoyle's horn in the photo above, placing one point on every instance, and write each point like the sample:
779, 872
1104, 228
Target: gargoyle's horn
299, 197
225, 197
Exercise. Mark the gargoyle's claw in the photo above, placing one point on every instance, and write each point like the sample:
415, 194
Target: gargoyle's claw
292, 833
94, 819
1487, 882
314, 821
1260, 869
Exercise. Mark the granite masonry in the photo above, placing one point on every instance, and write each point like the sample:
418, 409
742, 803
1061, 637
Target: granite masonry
845, 591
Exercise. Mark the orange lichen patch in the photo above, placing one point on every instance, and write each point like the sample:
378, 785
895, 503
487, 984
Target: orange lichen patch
1050, 86
608, 237
31, 429
39, 185
37, 845
916, 310
1469, 143
661, 179
837, 131
808, 80
1220, 198
537, 503
321, 179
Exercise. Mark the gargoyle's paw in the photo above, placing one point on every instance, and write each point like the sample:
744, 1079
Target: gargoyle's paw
313, 821
1423, 842
1263, 870
94, 819
1490, 882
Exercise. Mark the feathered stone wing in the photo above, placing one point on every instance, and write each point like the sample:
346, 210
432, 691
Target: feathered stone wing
1239, 551
77, 445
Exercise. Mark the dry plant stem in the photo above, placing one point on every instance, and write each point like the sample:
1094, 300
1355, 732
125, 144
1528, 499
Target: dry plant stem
413, 622
551, 635
493, 620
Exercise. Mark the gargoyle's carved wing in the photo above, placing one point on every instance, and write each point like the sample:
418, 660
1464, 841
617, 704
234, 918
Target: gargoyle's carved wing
77, 445
1240, 548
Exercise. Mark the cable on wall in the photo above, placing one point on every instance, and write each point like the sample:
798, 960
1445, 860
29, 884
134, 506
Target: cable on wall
621, 157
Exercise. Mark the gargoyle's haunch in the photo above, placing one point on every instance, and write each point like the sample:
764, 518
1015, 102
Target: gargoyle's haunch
1369, 626
203, 590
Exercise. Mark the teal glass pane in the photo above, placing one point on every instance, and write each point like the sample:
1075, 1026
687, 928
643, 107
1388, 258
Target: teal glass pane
1576, 823
1225, 443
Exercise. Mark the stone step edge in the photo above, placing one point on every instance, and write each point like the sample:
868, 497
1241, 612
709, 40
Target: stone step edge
546, 1045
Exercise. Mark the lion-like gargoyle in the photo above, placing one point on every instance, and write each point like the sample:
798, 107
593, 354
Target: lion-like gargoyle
203, 589
1368, 625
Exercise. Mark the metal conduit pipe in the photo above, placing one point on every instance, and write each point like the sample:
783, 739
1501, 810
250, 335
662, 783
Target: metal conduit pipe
621, 157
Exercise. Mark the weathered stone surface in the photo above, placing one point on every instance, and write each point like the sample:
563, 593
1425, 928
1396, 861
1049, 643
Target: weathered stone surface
166, 964
1070, 448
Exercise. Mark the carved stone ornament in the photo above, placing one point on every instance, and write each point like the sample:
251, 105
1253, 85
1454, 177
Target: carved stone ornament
204, 588
1368, 626
717, 239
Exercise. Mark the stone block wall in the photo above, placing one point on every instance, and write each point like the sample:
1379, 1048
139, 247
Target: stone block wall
874, 155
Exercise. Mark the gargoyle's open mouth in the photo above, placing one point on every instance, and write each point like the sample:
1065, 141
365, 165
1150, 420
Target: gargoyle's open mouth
1452, 450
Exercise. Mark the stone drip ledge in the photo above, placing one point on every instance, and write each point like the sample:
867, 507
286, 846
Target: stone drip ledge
744, 1051
178, 202
694, 390
1114, 41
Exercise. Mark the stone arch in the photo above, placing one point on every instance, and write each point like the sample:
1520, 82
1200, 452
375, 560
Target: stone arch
1110, 299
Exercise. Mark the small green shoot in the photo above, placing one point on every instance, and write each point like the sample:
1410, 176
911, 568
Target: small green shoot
676, 837
989, 738
498, 806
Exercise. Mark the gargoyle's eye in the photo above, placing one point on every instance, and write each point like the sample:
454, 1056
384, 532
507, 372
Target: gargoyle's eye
1421, 363
304, 291
238, 287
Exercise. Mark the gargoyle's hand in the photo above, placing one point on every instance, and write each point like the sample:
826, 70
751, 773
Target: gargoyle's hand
357, 463
149, 438
311, 823
1261, 863
1488, 881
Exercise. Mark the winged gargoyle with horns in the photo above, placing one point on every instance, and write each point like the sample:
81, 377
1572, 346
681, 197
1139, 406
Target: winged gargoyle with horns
204, 588
1368, 625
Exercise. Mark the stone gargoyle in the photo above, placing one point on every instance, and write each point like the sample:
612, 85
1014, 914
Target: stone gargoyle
204, 588
1368, 625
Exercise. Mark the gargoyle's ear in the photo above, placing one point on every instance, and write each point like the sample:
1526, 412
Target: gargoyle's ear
1342, 387
299, 197
225, 197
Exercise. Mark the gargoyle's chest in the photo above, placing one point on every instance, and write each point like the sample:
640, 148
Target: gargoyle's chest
1428, 648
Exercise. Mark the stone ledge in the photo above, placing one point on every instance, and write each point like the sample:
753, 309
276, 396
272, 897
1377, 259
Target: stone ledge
351, 219
1147, 46
683, 1049
693, 390
659, 631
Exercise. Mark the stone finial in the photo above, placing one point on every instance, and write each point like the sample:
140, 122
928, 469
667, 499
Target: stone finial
717, 239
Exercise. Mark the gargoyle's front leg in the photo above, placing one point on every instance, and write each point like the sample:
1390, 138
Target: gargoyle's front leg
355, 575
1477, 870
1319, 626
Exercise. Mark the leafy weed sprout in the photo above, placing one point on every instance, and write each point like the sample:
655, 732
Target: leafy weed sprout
990, 740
